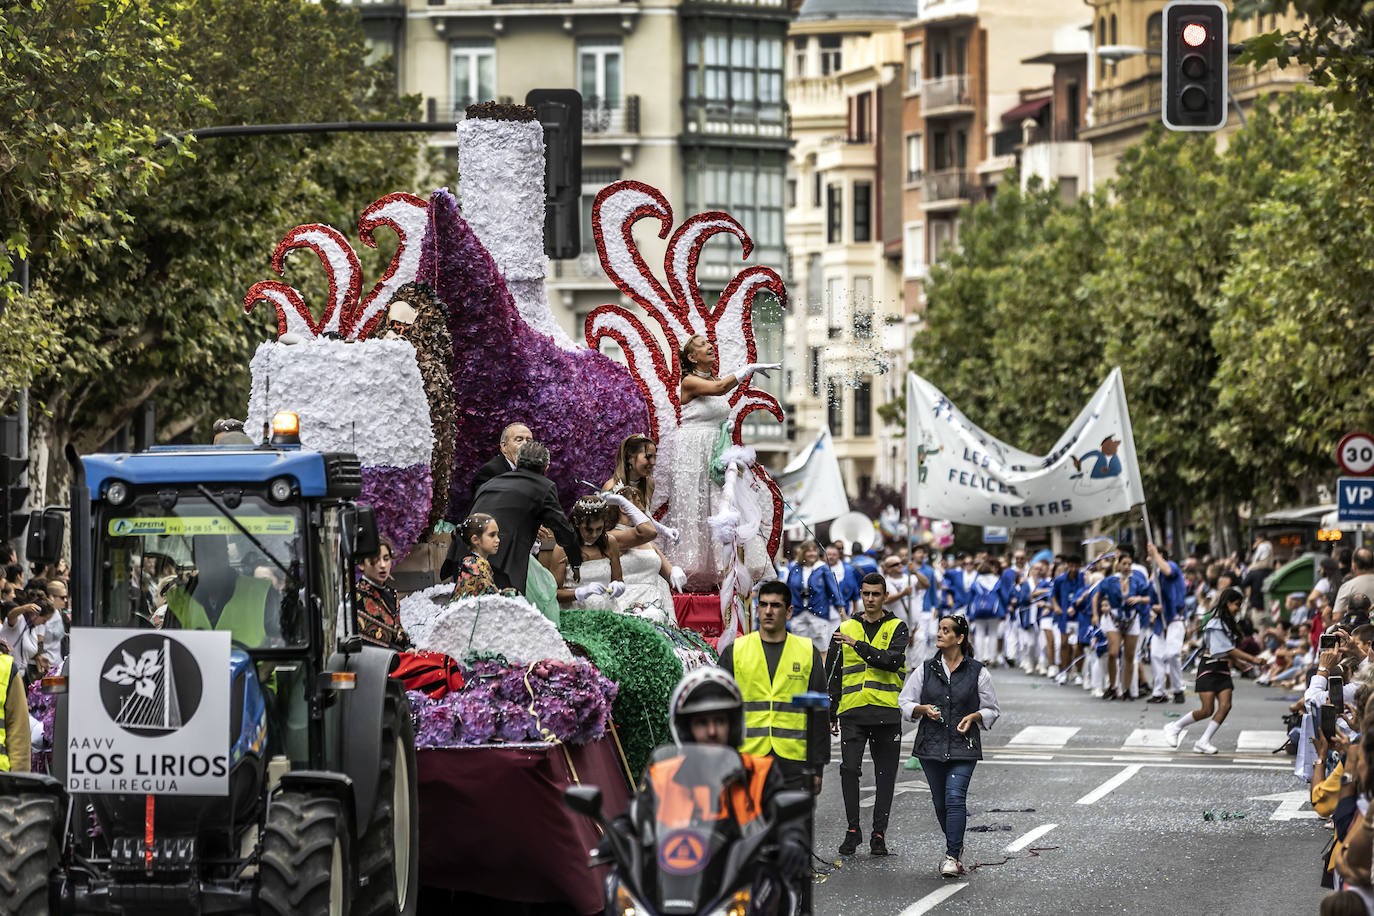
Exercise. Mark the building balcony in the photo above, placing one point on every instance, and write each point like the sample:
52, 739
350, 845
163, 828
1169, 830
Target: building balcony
947, 190
816, 97
946, 97
603, 119
751, 123
749, 9
583, 271
1132, 99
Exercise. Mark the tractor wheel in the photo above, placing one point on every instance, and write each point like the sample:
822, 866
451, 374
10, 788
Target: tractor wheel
29, 850
306, 865
389, 853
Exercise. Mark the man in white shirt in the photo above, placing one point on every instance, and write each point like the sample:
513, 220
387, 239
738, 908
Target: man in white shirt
905, 594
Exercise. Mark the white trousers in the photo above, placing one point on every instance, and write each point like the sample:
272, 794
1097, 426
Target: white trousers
1166, 659
1096, 670
985, 639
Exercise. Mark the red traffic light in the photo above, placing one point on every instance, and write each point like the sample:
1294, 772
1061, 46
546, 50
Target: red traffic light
1194, 34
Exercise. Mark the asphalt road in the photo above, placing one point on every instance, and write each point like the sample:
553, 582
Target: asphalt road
1125, 819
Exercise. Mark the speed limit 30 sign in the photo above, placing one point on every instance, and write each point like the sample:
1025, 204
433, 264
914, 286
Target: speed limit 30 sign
1355, 454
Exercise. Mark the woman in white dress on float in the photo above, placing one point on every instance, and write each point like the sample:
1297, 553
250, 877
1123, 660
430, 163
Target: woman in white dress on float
648, 573
695, 495
599, 580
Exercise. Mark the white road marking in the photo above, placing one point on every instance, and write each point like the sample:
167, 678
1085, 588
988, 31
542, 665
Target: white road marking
1081, 762
1005, 756
1259, 740
900, 789
1043, 736
1101, 791
1152, 738
1290, 805
1028, 838
932, 900
1141, 758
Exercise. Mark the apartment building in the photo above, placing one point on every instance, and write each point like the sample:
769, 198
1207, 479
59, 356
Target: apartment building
963, 111
1126, 85
844, 229
684, 95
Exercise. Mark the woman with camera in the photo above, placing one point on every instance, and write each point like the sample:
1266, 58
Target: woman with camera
1214, 685
952, 698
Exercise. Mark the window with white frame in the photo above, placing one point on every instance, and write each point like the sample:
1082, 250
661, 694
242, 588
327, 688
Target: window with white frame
915, 157
798, 58
472, 66
942, 239
599, 72
831, 57
914, 251
915, 60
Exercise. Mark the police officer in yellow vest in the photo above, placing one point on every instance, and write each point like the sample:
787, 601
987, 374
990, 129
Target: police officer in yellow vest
221, 599
771, 666
14, 738
864, 684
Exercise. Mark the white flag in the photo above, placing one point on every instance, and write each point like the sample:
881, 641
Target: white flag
813, 485
958, 471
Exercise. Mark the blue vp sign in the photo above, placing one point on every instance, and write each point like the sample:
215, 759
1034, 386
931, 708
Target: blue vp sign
1355, 499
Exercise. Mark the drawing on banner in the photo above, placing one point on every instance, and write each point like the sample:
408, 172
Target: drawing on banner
150, 685
962, 473
1106, 467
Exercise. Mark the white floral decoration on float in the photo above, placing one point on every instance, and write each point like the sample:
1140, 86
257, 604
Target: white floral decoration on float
353, 393
485, 624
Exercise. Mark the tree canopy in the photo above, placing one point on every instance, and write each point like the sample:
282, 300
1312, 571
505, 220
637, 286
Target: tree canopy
149, 303
1231, 288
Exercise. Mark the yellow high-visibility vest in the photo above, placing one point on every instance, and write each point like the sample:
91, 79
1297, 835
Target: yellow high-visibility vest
6, 669
244, 616
772, 725
860, 684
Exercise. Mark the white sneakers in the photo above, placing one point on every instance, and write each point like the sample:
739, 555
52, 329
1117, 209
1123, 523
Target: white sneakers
1099, 693
951, 868
1078, 680
1172, 734
1203, 746
1054, 671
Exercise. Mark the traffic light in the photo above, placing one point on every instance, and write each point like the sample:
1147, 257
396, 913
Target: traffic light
560, 113
13, 518
1196, 65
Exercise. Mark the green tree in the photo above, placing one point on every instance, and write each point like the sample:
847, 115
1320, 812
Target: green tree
83, 88
1009, 337
1293, 325
1335, 41
162, 317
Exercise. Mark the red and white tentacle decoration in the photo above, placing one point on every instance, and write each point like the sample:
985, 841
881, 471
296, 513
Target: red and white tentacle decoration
679, 314
346, 313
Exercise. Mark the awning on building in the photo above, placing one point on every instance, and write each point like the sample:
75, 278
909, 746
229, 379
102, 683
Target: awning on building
1025, 110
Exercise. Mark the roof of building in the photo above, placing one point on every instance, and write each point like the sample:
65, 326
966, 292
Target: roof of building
812, 10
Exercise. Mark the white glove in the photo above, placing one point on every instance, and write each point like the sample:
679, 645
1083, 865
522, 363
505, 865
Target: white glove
636, 516
583, 592
677, 578
743, 375
616, 589
671, 534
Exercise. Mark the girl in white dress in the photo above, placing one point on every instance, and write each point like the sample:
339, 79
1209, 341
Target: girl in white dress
648, 573
695, 496
599, 580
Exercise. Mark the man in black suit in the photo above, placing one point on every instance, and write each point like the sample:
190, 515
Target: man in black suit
512, 437
520, 500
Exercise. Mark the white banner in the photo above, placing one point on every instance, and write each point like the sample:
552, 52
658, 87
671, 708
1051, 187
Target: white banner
148, 712
813, 485
961, 473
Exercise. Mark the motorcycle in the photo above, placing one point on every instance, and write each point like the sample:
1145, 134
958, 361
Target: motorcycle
700, 849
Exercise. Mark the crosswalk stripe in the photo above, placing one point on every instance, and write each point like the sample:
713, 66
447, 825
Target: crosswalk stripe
1260, 740
1043, 736
1147, 737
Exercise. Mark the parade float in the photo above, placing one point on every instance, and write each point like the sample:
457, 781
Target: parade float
419, 376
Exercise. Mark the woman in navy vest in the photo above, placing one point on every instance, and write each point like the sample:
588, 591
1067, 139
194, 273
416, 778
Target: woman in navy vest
951, 696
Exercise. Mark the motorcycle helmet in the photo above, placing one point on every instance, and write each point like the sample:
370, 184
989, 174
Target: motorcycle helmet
707, 689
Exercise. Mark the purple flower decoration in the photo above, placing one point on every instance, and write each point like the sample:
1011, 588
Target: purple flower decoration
401, 497
436, 724
515, 723
580, 404
476, 718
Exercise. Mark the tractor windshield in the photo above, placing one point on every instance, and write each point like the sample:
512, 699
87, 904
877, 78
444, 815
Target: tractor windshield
191, 567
